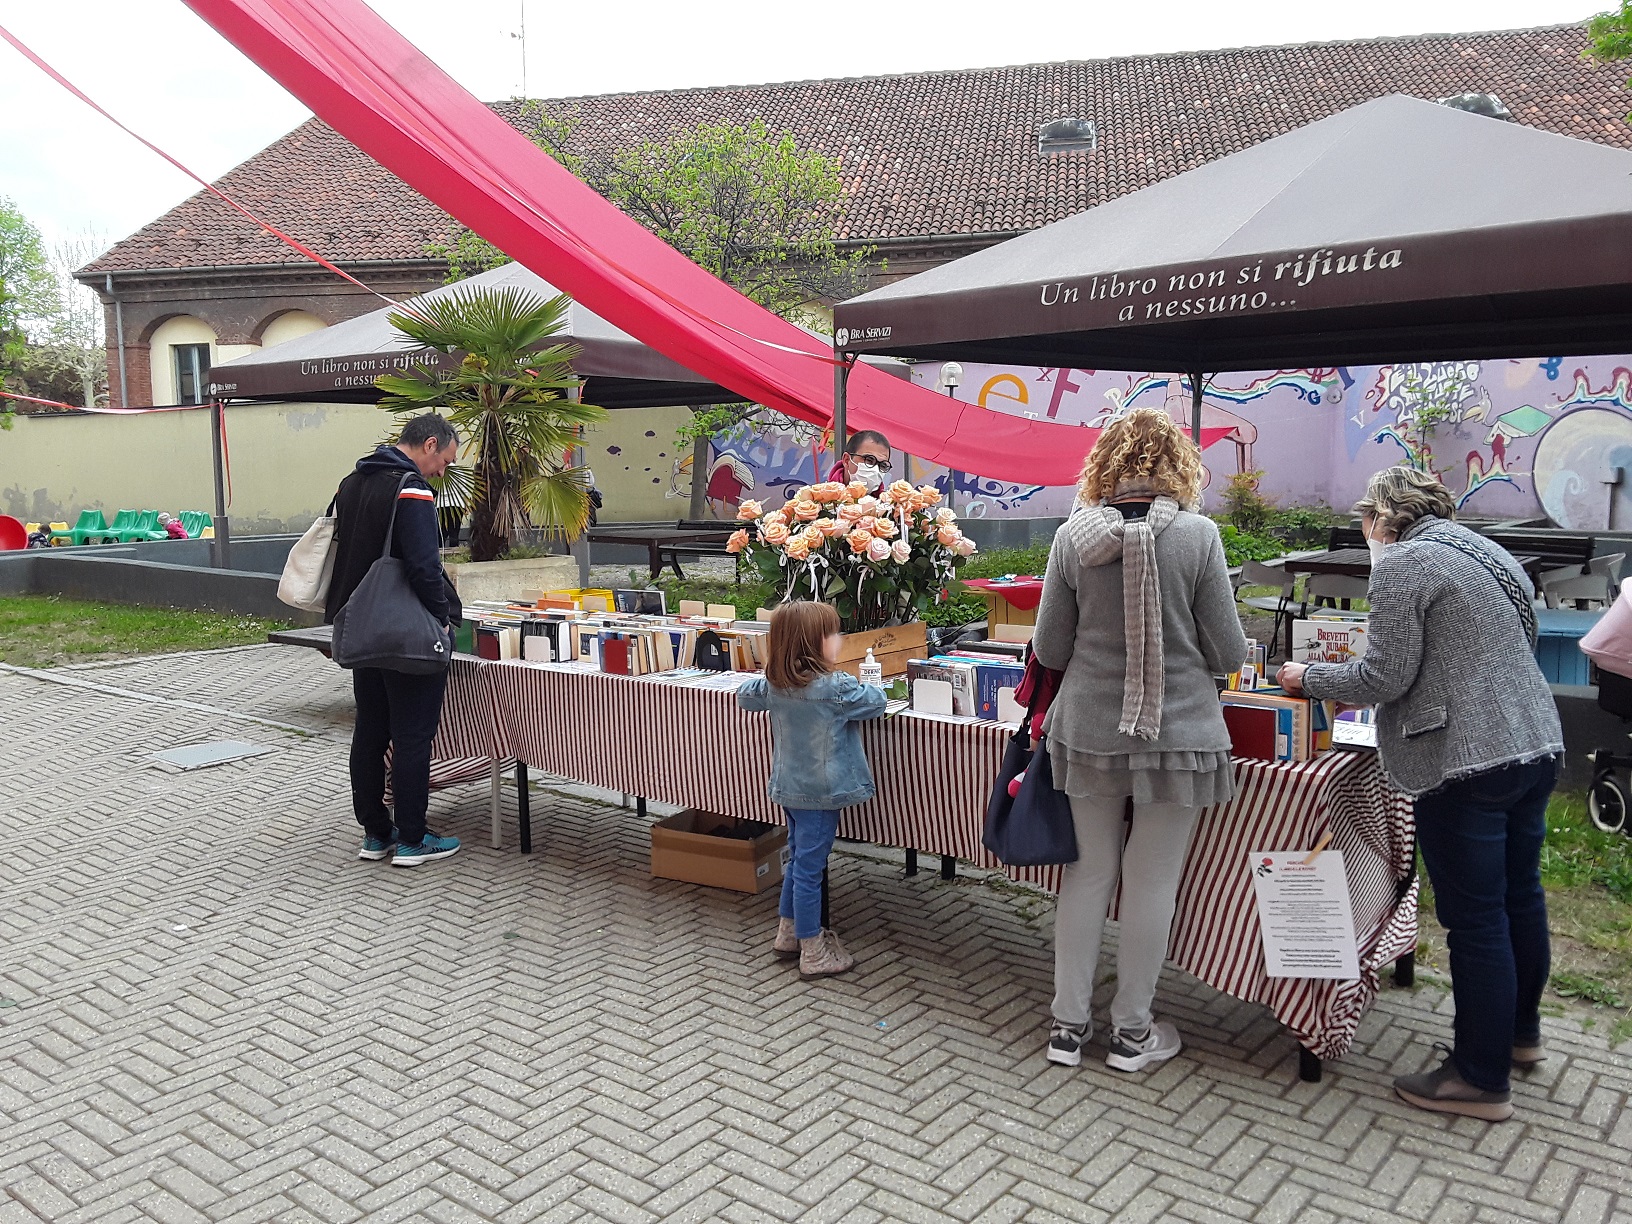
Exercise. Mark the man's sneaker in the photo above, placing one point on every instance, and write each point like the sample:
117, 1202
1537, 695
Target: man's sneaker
1135, 1052
1065, 1044
433, 847
1443, 1090
377, 848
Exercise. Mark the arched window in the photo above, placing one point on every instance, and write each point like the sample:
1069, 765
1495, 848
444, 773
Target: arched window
181, 352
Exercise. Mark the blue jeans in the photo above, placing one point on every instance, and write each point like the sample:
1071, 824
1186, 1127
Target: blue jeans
1481, 842
810, 837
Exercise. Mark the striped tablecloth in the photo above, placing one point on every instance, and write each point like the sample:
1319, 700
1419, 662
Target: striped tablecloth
696, 748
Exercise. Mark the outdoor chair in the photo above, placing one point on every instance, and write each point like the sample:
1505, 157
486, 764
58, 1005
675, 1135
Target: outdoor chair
1333, 589
1596, 585
123, 522
88, 527
194, 522
1257, 573
144, 525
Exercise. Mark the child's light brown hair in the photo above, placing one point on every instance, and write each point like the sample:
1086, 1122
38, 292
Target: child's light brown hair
799, 632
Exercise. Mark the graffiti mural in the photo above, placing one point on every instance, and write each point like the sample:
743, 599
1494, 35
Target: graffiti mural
1544, 436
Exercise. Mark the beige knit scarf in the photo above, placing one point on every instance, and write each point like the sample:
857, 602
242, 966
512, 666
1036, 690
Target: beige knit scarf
1102, 536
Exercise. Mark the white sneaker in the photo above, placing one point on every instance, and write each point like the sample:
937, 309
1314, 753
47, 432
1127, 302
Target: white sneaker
1065, 1043
1159, 1043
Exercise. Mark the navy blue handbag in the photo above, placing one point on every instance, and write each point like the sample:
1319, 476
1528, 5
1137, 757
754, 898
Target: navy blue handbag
1034, 827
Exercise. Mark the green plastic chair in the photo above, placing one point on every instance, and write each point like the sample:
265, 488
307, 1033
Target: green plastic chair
145, 526
194, 521
89, 526
123, 524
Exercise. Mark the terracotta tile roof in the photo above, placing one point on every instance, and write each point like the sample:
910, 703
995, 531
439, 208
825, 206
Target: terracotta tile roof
935, 155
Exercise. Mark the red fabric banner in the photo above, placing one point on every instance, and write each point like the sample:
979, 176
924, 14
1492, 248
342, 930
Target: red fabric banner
379, 91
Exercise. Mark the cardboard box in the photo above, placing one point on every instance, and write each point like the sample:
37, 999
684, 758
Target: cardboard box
690, 846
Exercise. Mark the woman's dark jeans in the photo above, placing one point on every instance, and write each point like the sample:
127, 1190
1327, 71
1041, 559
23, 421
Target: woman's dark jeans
1481, 842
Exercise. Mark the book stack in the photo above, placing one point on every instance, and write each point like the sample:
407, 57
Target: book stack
1270, 725
1252, 674
967, 684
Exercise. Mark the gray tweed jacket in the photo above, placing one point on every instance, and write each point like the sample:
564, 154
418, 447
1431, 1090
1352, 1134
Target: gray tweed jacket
1448, 666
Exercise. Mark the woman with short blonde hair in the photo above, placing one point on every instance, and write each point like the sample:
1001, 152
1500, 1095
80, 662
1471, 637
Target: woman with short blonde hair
1138, 613
1465, 722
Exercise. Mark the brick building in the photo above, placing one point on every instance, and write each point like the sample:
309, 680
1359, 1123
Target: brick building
936, 165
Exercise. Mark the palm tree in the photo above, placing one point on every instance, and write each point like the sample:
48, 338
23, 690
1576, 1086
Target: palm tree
507, 397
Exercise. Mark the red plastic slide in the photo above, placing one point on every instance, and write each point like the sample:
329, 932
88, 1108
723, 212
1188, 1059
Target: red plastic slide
375, 88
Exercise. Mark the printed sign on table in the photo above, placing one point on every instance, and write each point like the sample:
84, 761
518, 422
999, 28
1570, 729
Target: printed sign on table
1305, 914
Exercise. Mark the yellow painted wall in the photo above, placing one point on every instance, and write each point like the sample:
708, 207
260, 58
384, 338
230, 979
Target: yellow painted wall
289, 325
286, 461
183, 329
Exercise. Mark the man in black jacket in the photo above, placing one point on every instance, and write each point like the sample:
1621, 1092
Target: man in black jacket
396, 709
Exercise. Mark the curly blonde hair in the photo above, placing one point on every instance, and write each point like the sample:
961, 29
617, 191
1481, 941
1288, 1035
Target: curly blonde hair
1145, 448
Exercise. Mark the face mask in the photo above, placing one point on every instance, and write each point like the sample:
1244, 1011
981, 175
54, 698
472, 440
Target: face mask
870, 476
1376, 547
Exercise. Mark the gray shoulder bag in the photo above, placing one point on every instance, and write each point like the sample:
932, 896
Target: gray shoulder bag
384, 624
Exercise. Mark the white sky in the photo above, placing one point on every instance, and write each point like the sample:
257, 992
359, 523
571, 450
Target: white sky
169, 76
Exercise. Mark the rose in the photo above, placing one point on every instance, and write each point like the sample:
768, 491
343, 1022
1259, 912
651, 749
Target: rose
900, 490
946, 516
777, 516
737, 542
884, 528
774, 534
948, 535
965, 547
878, 550
860, 540
748, 511
868, 505
804, 511
831, 491
855, 490
865, 523
929, 494
849, 513
831, 527
814, 536
901, 551
798, 549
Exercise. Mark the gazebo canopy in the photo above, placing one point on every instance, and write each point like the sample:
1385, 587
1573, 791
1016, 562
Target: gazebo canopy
1397, 230
341, 362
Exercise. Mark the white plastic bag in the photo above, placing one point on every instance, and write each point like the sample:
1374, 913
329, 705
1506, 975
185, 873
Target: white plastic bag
310, 567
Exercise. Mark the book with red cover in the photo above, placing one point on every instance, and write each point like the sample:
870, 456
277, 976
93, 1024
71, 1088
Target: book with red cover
615, 655
1252, 731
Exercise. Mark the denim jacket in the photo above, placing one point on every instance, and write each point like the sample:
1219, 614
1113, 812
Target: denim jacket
817, 761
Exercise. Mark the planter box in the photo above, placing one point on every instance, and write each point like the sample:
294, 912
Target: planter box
700, 848
891, 647
512, 579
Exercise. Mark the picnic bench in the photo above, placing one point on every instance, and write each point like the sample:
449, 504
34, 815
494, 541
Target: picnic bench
667, 542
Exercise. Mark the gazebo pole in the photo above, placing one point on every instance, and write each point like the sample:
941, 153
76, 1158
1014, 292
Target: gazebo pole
841, 380
1197, 379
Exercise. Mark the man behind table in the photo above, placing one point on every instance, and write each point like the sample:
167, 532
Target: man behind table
396, 709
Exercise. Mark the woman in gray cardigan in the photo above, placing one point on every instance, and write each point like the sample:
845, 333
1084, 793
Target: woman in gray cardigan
1465, 722
1138, 612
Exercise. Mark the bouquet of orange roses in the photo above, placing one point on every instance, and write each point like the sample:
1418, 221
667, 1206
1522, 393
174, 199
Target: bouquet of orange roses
879, 559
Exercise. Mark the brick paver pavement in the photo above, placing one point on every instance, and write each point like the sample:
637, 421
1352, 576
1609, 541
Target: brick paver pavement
210, 1011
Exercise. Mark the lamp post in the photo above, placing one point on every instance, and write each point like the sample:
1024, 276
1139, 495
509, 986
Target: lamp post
951, 377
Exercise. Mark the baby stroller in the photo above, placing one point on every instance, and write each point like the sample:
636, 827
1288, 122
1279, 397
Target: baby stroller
1609, 645
1606, 798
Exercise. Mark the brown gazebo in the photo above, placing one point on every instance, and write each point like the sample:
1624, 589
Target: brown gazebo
1398, 230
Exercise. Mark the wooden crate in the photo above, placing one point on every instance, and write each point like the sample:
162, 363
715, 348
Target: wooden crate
891, 648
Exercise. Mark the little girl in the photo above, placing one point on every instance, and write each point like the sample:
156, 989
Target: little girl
817, 767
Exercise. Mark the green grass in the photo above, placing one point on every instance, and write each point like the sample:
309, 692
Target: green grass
47, 631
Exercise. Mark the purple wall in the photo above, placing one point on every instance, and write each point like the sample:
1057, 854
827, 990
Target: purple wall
1526, 438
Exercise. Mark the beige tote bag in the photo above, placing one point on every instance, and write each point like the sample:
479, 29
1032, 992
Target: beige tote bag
310, 567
